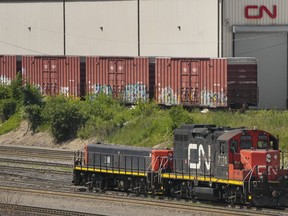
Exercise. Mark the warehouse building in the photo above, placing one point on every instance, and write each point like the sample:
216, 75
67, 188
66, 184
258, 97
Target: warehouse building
177, 28
259, 28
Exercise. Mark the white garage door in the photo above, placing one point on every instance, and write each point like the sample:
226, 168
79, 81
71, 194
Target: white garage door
271, 51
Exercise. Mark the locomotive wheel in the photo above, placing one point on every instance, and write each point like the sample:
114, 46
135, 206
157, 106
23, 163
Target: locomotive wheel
175, 192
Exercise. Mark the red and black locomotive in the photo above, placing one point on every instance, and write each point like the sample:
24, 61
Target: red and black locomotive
235, 165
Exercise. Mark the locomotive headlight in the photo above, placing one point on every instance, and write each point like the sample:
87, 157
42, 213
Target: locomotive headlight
268, 158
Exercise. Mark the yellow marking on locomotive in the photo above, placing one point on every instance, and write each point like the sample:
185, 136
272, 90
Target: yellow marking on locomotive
120, 172
202, 178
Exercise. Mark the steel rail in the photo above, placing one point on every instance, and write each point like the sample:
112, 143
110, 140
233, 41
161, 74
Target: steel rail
12, 208
36, 162
151, 203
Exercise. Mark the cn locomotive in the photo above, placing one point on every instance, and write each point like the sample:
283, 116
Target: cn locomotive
208, 162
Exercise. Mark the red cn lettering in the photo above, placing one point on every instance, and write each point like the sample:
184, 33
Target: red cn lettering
261, 9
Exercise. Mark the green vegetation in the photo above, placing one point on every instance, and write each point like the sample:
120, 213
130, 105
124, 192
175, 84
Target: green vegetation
108, 120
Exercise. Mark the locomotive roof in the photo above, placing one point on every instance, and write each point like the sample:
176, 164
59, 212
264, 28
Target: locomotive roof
192, 126
229, 134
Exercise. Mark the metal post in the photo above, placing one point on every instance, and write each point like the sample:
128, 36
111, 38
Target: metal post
64, 27
94, 162
100, 162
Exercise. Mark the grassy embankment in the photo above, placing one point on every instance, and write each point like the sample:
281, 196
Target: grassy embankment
145, 124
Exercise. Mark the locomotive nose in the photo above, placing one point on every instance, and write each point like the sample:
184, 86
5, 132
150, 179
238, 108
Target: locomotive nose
265, 163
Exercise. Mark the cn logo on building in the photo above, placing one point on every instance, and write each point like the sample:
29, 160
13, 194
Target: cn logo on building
257, 12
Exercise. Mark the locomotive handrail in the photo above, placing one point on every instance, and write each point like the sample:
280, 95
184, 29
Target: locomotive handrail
161, 167
79, 160
250, 174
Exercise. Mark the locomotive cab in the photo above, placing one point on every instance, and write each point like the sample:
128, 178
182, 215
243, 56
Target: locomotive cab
254, 158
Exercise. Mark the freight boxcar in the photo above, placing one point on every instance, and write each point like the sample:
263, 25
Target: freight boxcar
126, 78
192, 82
53, 75
242, 82
7, 69
206, 82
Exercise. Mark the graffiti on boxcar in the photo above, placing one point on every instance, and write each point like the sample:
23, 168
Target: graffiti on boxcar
50, 88
64, 91
210, 98
168, 96
5, 80
105, 89
135, 92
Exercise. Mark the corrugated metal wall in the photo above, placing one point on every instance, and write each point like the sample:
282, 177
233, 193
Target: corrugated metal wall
234, 14
181, 28
31, 28
102, 28
258, 28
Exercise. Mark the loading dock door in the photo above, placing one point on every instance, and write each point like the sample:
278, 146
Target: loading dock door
271, 51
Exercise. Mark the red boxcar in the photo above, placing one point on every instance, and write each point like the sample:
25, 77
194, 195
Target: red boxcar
123, 77
7, 69
242, 81
53, 75
200, 82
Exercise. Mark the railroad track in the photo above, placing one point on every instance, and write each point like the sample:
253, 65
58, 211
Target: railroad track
35, 162
24, 182
20, 209
12, 169
22, 151
181, 206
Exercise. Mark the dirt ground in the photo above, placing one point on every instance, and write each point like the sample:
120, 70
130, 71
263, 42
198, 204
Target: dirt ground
22, 136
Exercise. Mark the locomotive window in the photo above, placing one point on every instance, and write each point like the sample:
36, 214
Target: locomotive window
262, 144
222, 148
234, 146
245, 144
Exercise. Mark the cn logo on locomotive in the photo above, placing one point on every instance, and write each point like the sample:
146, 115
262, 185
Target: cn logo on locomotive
268, 170
257, 12
202, 156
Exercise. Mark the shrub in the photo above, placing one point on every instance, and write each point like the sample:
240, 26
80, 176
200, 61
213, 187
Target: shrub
5, 92
52, 104
16, 87
179, 116
34, 116
31, 95
7, 108
145, 109
66, 121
